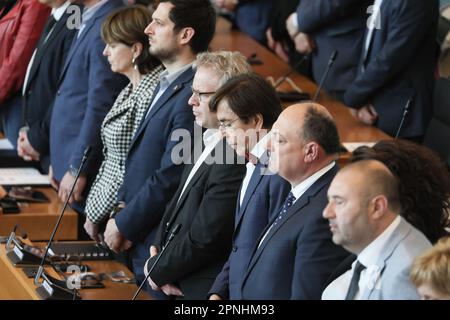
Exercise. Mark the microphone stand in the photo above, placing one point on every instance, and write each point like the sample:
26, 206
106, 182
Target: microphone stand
51, 285
408, 103
172, 235
325, 75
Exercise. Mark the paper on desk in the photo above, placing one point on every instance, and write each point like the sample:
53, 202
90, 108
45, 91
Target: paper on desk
6, 145
352, 146
22, 176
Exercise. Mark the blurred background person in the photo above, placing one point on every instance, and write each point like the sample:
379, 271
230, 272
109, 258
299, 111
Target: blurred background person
127, 50
20, 29
430, 272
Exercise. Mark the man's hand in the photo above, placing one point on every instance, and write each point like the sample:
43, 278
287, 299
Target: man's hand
292, 25
304, 43
24, 148
276, 46
168, 289
229, 5
92, 230
114, 239
368, 114
66, 184
215, 297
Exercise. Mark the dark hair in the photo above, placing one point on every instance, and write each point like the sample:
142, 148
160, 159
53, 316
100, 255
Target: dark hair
247, 95
424, 183
197, 14
126, 26
321, 128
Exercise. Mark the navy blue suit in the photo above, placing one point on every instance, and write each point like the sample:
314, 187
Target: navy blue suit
151, 177
42, 85
253, 18
263, 198
399, 66
297, 256
86, 92
334, 25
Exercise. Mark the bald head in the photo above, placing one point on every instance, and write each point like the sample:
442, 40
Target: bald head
372, 178
313, 122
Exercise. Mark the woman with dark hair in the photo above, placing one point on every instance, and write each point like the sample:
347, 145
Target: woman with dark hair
127, 49
424, 183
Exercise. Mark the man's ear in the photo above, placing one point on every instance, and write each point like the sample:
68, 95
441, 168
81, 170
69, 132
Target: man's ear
311, 152
186, 35
379, 206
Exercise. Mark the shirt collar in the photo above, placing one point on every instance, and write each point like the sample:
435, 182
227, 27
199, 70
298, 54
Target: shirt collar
260, 148
169, 78
370, 255
211, 137
88, 13
301, 188
59, 12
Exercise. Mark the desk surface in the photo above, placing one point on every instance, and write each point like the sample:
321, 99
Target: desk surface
38, 219
350, 130
14, 284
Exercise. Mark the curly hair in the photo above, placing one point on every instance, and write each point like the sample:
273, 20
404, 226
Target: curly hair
424, 183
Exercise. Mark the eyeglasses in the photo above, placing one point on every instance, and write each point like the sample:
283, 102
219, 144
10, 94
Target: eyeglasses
226, 125
201, 96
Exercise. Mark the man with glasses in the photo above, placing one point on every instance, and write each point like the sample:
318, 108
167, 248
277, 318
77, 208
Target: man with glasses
205, 200
247, 106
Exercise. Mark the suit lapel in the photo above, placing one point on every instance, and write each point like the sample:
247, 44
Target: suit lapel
399, 234
295, 209
172, 90
253, 184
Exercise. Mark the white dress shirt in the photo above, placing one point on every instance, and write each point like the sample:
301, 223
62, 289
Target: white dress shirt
211, 138
257, 151
302, 187
337, 290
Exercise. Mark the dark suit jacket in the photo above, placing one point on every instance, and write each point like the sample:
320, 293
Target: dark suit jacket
42, 86
399, 66
151, 177
263, 199
87, 90
297, 256
206, 212
253, 17
334, 25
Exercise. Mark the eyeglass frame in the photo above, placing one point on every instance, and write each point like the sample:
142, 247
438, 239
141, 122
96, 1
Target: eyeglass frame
227, 126
199, 94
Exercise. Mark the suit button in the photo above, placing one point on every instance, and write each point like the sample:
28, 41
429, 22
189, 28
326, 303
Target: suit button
235, 249
58, 93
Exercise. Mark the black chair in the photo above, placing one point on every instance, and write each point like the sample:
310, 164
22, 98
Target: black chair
437, 136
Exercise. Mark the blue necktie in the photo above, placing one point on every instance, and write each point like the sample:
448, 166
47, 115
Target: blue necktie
286, 205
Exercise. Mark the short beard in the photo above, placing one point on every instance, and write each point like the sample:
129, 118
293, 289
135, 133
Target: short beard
165, 55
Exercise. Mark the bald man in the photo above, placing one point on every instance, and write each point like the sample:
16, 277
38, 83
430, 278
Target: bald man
363, 212
295, 255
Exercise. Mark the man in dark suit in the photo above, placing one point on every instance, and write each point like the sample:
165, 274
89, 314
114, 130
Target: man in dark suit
41, 83
295, 254
152, 174
323, 26
204, 202
248, 106
86, 91
397, 68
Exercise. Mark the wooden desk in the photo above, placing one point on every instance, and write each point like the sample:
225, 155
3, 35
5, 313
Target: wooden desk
350, 130
14, 284
38, 219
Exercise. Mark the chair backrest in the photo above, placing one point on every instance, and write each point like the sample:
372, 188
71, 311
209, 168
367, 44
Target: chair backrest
437, 136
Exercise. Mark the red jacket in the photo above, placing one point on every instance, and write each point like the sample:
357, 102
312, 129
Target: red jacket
19, 32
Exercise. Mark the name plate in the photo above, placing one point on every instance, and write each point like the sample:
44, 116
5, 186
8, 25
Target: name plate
18, 252
47, 287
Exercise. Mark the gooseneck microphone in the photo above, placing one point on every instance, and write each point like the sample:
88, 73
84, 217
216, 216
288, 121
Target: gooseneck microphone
292, 70
58, 222
171, 236
333, 57
405, 112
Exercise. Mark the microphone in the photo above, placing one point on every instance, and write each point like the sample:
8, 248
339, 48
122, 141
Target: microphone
325, 75
292, 70
58, 222
405, 112
172, 235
